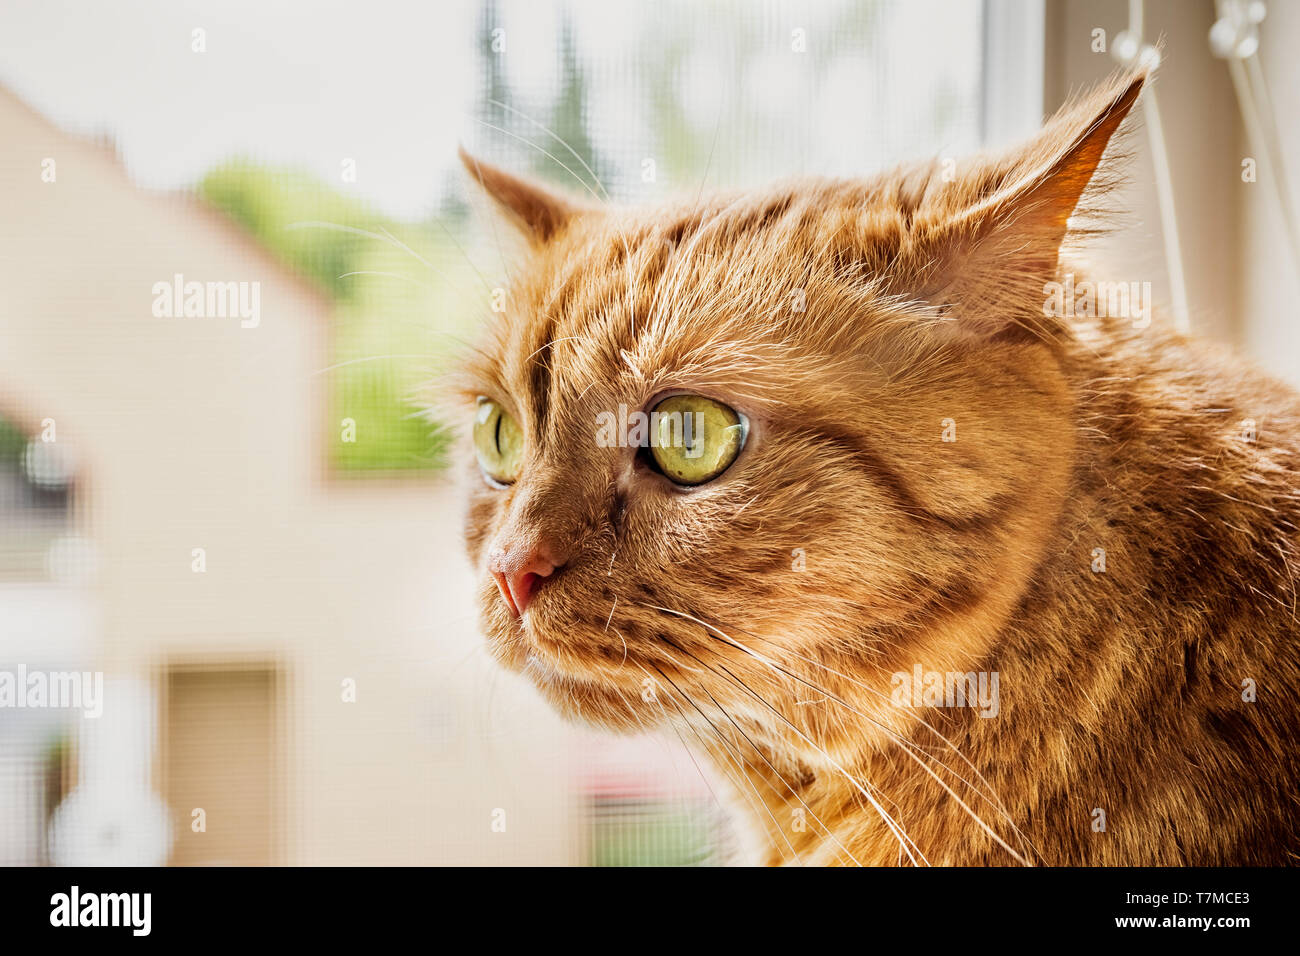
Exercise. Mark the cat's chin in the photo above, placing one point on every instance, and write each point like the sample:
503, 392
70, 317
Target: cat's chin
588, 696
582, 700
543, 674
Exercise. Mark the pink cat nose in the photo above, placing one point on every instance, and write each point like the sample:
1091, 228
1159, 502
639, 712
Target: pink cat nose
519, 571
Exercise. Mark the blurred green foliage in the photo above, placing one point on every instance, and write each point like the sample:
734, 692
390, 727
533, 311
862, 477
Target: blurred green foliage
400, 297
12, 444
636, 832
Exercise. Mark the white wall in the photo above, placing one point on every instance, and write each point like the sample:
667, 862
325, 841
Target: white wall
1270, 287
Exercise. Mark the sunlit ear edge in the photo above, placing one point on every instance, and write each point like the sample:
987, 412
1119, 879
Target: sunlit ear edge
539, 212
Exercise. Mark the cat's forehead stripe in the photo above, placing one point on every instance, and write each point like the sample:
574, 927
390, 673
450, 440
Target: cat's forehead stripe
645, 294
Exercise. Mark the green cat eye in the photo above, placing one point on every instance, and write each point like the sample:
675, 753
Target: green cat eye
694, 438
498, 442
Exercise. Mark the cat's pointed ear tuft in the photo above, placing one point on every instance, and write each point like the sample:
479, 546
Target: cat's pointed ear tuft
1062, 160
539, 212
1004, 220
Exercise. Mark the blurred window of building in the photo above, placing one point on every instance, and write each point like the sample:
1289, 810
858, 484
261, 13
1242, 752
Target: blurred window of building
221, 764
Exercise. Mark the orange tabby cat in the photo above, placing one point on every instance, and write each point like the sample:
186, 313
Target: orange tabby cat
824, 478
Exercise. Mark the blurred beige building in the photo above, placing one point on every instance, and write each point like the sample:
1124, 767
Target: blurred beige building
290, 651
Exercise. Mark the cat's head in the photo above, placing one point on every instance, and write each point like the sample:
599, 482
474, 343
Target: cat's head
880, 433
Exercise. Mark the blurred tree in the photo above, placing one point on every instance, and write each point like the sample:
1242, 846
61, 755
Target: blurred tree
560, 108
398, 296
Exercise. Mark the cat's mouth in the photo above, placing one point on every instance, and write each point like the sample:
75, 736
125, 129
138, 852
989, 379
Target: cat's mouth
576, 677
521, 648
550, 674
586, 699
633, 667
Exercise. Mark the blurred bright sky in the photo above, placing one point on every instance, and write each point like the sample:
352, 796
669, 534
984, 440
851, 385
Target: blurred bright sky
393, 84
385, 83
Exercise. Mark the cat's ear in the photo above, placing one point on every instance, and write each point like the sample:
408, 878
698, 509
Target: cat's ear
536, 210
991, 238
